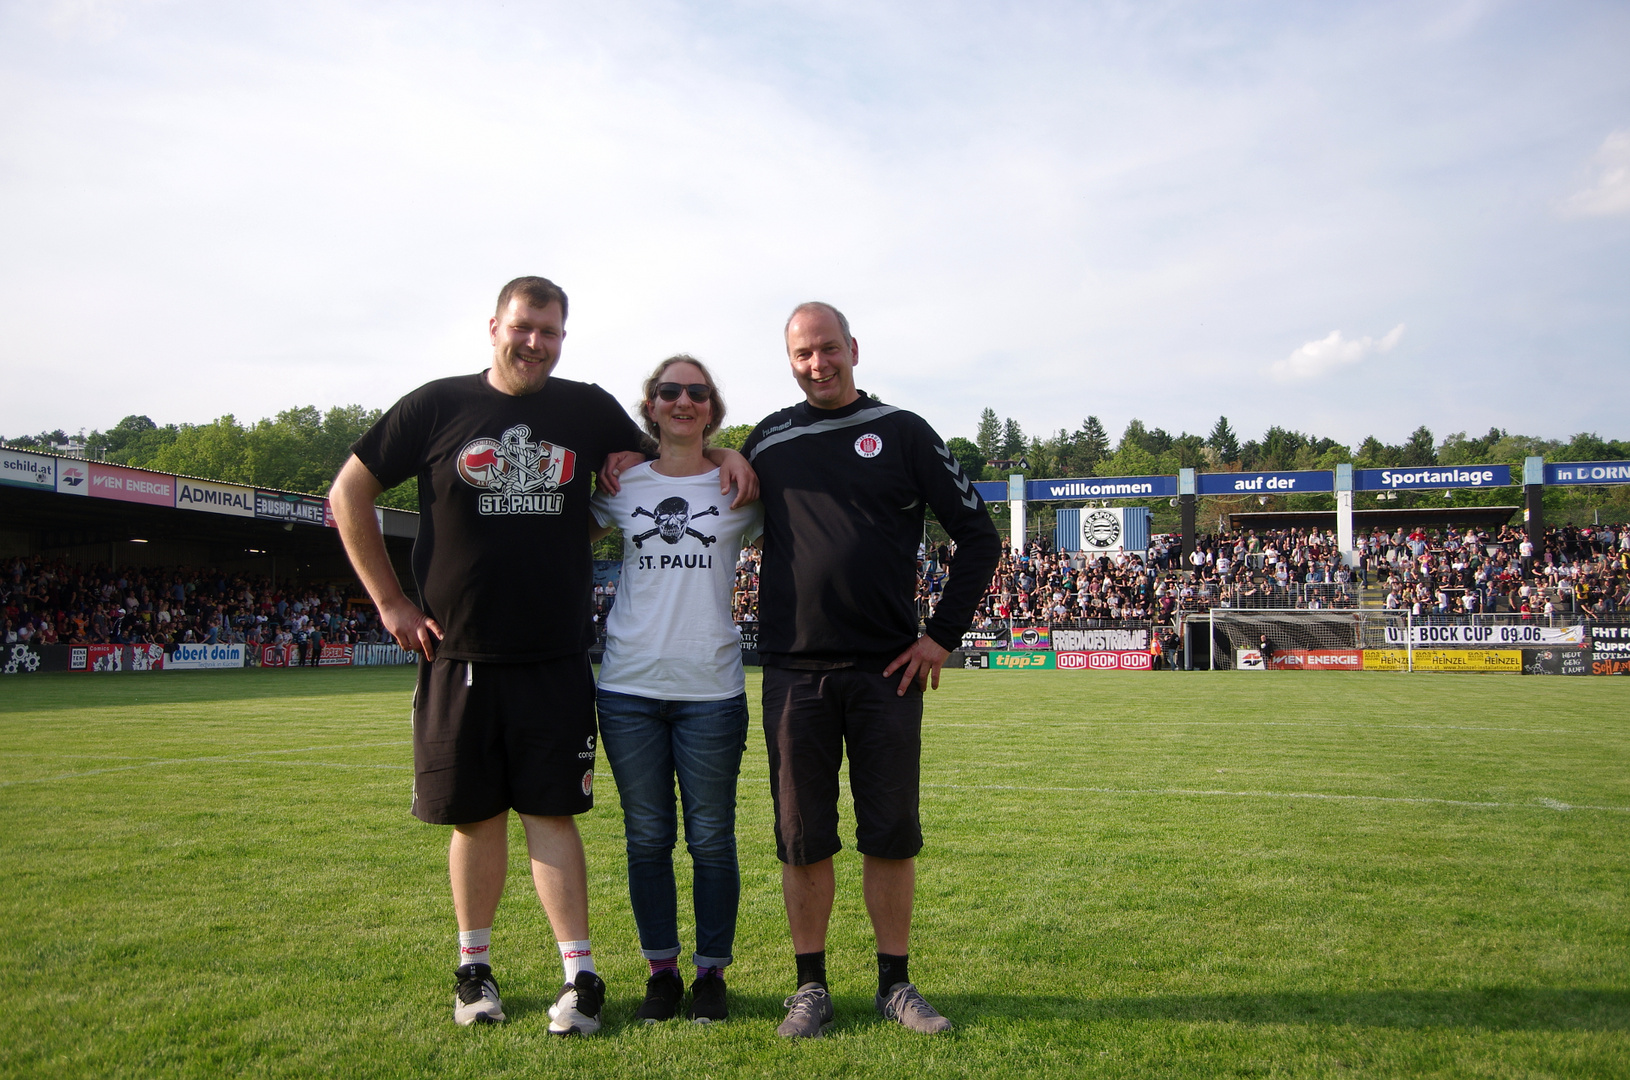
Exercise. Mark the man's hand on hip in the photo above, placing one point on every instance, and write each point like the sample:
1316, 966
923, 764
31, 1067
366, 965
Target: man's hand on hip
413, 629
921, 662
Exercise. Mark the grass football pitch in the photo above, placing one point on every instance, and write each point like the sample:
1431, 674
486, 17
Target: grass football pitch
1126, 875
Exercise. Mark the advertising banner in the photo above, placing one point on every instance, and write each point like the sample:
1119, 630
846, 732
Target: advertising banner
279, 655
1485, 635
73, 478
749, 636
1609, 650
204, 657
131, 485
380, 655
985, 639
1558, 661
974, 659
1444, 660
1102, 487
1022, 661
214, 498
1264, 483
1460, 476
1104, 661
21, 658
18, 468
1302, 660
1588, 472
1100, 640
282, 506
95, 658
335, 656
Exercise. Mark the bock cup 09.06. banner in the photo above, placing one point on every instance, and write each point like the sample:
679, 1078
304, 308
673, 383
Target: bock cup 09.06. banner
1485, 636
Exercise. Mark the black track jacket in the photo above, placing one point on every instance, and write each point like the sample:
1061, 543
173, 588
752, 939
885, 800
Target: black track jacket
844, 492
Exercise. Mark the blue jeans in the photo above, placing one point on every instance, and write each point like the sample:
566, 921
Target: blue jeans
648, 743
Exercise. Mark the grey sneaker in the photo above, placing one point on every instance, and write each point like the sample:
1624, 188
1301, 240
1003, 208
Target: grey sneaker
809, 1011
905, 1004
577, 1010
475, 1001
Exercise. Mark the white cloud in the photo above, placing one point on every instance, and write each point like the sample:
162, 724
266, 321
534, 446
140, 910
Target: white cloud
1319, 358
1609, 193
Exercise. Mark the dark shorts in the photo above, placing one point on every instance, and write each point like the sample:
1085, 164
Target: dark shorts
493, 737
809, 718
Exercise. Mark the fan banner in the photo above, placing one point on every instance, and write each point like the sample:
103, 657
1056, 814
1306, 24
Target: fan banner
1485, 635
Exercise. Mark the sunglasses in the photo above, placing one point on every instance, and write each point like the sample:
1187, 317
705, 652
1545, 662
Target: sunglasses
670, 391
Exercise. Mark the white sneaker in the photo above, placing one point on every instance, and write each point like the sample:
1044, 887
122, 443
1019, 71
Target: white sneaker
577, 1010
476, 999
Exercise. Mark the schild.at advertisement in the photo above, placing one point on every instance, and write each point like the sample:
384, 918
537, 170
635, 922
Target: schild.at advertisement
20, 469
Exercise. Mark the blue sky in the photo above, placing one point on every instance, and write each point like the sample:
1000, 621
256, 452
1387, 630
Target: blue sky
1350, 219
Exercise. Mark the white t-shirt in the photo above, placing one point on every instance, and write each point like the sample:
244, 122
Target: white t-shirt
671, 635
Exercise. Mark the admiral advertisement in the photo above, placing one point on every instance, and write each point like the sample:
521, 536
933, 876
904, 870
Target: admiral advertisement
1610, 650
131, 485
204, 657
36, 471
1301, 660
281, 506
1484, 635
213, 498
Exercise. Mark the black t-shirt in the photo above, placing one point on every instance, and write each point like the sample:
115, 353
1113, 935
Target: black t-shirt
844, 492
502, 558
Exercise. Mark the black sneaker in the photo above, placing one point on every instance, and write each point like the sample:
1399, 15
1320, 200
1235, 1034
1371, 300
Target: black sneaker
707, 998
577, 1010
664, 990
475, 1000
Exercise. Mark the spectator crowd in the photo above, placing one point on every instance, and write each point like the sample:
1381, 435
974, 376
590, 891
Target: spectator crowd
50, 602
1576, 572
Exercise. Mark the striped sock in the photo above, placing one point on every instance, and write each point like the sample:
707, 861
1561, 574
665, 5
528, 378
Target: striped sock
670, 964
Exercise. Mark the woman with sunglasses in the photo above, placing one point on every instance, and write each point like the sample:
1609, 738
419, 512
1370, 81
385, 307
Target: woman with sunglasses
671, 694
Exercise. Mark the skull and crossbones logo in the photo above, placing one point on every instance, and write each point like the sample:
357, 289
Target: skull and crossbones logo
673, 518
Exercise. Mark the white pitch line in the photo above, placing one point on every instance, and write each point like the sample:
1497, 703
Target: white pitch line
1548, 804
1268, 723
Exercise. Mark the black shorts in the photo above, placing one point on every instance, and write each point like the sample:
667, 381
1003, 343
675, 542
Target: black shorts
493, 737
809, 717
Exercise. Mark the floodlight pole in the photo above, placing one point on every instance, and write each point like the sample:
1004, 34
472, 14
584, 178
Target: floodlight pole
1533, 502
1015, 505
1344, 514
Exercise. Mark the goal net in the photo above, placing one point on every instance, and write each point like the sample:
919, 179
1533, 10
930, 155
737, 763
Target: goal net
1299, 638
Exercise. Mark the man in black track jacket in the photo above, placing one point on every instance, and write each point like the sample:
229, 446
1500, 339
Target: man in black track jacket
845, 480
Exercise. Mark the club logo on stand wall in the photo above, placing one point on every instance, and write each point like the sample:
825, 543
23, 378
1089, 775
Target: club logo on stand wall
1101, 528
518, 476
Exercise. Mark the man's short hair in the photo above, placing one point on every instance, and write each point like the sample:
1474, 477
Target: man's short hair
819, 305
539, 292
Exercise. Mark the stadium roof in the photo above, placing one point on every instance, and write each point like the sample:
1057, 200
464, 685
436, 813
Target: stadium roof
96, 512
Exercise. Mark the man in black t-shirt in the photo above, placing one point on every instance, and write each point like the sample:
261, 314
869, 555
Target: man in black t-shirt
845, 481
503, 714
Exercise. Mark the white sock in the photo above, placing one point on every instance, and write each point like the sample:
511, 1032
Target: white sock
575, 956
473, 945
